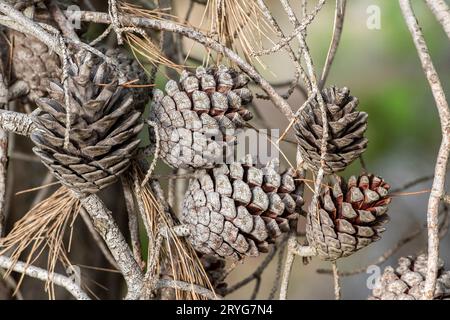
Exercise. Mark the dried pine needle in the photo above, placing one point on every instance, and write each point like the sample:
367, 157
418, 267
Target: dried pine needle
41, 228
177, 253
141, 44
239, 25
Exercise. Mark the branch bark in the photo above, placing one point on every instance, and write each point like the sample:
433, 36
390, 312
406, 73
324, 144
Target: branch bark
16, 122
43, 275
108, 229
437, 190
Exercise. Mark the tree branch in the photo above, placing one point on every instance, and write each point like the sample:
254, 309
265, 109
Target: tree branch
335, 40
181, 285
437, 190
106, 226
43, 275
442, 12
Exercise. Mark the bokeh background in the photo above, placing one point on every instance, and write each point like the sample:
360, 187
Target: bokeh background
382, 69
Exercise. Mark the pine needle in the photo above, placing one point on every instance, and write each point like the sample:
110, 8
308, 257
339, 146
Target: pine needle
141, 44
176, 253
43, 227
239, 25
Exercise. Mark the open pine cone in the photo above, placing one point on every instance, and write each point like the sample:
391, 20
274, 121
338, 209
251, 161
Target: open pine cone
236, 210
351, 216
105, 122
197, 118
34, 63
346, 128
407, 281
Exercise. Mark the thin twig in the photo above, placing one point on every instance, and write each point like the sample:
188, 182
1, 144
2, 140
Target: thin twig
442, 12
63, 24
442, 158
335, 40
298, 66
383, 258
337, 285
185, 286
133, 221
413, 183
258, 272
256, 288
3, 147
287, 267
43, 275
276, 281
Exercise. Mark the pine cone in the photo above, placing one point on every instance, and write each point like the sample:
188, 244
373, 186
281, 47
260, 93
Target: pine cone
34, 63
346, 129
351, 216
136, 75
199, 120
215, 269
105, 121
236, 210
407, 281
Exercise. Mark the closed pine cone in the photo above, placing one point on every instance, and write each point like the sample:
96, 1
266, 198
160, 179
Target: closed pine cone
105, 122
34, 63
346, 128
236, 210
197, 118
407, 281
351, 216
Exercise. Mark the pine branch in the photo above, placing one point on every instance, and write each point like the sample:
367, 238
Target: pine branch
43, 275
440, 172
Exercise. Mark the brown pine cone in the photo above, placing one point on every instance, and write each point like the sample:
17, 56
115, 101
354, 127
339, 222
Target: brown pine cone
34, 63
407, 281
197, 118
346, 128
105, 122
351, 216
236, 210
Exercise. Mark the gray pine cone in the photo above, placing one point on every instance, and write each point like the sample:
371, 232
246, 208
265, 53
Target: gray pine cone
351, 216
407, 281
34, 63
197, 118
346, 128
105, 122
236, 210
